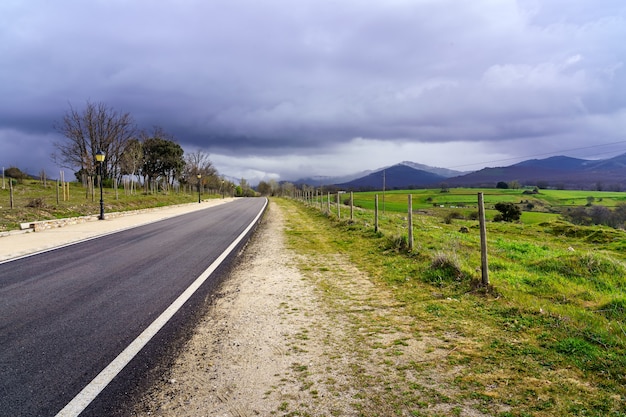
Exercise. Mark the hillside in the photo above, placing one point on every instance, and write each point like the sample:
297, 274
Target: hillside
556, 172
396, 177
553, 172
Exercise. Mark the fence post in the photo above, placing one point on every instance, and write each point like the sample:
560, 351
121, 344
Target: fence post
328, 203
338, 206
11, 193
351, 206
484, 265
410, 222
376, 214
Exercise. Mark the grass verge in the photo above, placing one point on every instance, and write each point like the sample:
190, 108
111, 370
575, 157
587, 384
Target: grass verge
548, 339
33, 201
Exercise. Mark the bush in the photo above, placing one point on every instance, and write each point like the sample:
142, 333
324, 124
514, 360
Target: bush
444, 268
398, 243
509, 212
36, 203
452, 215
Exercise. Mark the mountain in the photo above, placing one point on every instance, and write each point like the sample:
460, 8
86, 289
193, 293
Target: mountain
444, 172
399, 176
555, 163
317, 181
556, 171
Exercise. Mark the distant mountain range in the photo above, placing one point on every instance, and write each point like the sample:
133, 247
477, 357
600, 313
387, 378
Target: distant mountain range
555, 172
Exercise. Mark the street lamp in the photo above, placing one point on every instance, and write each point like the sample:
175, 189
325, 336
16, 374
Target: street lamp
223, 189
100, 155
199, 176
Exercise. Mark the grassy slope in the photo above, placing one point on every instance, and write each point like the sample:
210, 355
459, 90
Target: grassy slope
79, 204
548, 339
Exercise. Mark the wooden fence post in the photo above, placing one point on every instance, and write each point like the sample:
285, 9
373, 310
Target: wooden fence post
328, 204
376, 214
351, 206
11, 193
338, 206
410, 222
484, 265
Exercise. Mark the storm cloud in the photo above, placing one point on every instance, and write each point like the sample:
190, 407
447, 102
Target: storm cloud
283, 89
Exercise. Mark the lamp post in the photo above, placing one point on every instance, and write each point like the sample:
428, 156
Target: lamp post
223, 189
100, 155
199, 176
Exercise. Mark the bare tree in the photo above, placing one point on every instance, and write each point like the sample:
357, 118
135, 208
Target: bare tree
97, 127
198, 162
132, 159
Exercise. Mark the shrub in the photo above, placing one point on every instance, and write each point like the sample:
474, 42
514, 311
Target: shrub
452, 215
398, 243
36, 203
509, 212
444, 268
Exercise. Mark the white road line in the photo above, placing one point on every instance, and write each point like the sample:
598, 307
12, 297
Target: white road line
104, 378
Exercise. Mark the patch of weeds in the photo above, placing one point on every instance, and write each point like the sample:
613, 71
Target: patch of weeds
37, 203
614, 309
578, 350
444, 269
398, 243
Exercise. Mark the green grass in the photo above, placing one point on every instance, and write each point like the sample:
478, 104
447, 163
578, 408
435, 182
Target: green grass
547, 338
44, 200
546, 205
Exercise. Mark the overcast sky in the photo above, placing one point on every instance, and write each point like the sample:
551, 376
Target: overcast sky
289, 88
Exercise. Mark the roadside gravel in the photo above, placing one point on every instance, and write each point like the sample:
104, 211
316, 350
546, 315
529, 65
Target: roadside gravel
302, 334
254, 351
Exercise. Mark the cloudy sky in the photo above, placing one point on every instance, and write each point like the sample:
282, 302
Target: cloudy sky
289, 88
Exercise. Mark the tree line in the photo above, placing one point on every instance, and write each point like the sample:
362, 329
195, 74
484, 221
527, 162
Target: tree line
152, 157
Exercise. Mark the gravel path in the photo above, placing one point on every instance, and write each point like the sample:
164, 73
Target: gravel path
250, 354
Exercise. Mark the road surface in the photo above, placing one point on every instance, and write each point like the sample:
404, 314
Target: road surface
68, 314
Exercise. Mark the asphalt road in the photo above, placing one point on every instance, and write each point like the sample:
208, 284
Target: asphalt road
67, 314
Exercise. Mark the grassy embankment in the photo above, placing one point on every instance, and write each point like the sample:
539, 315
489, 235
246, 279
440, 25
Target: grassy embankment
548, 339
33, 201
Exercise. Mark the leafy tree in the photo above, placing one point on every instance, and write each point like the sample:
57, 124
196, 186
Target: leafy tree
514, 185
264, 188
97, 127
502, 185
162, 157
15, 173
509, 212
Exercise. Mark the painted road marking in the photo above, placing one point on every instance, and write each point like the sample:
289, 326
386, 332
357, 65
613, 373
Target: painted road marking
79, 403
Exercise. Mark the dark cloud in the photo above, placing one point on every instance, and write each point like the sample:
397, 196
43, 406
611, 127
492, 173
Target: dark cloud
283, 79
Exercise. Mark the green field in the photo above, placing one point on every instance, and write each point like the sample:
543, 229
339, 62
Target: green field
546, 205
547, 338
